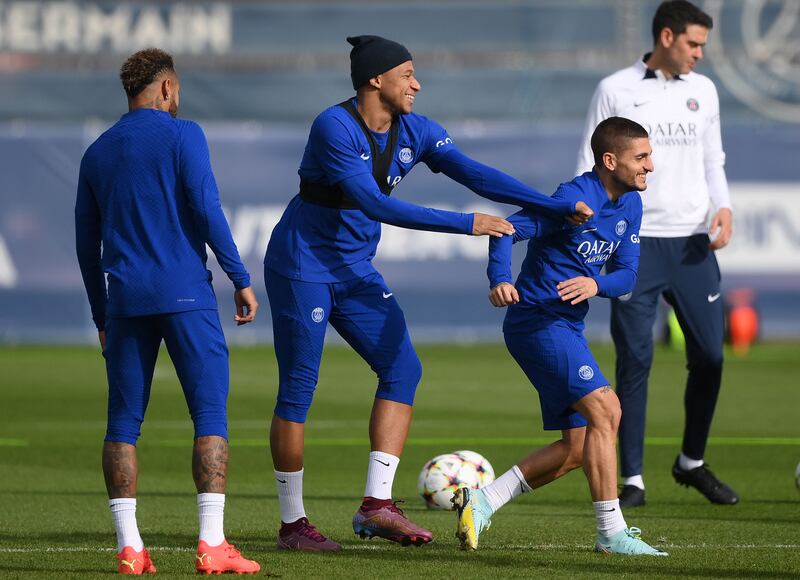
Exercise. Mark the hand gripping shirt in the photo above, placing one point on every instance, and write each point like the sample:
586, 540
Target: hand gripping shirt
681, 115
146, 192
319, 243
558, 251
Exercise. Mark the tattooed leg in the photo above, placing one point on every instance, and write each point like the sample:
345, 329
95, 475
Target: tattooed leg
210, 464
120, 468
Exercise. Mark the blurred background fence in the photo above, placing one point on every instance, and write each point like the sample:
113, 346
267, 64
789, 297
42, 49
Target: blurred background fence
510, 80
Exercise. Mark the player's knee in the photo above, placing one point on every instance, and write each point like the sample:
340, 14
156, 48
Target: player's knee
292, 411
123, 431
295, 397
208, 424
399, 383
709, 361
614, 410
605, 412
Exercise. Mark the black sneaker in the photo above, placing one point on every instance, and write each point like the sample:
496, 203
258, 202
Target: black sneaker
703, 480
631, 496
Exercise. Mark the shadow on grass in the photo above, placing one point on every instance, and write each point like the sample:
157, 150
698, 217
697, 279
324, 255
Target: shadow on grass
537, 563
90, 540
180, 494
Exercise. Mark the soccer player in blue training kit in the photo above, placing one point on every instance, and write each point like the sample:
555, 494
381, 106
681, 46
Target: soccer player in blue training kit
543, 330
318, 270
147, 194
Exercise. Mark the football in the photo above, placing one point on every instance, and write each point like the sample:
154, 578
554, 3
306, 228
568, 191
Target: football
444, 474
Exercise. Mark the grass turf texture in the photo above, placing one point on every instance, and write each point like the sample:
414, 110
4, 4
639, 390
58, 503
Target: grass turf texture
54, 520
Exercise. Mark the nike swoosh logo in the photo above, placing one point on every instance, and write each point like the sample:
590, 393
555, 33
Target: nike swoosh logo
587, 230
282, 480
381, 462
609, 511
713, 297
385, 295
365, 156
640, 104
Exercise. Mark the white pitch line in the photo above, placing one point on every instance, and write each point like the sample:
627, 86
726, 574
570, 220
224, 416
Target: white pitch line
540, 547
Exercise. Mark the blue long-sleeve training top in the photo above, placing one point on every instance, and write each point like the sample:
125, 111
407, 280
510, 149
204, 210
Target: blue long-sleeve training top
326, 244
147, 196
558, 251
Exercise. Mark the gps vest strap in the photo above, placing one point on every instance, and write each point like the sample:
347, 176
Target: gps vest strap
334, 196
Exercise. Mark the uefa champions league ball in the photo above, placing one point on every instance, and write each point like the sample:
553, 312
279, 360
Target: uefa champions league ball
444, 474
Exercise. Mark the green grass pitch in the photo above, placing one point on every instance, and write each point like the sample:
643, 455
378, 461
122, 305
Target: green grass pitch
54, 520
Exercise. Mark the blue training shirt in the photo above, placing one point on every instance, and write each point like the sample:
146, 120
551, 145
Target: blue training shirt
558, 251
323, 244
146, 191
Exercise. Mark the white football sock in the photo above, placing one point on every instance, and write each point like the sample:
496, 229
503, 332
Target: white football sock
124, 511
290, 495
687, 463
380, 475
634, 480
211, 508
505, 488
609, 517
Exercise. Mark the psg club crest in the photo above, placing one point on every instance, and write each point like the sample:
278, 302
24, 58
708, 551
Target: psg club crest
692, 104
317, 314
406, 155
586, 372
622, 225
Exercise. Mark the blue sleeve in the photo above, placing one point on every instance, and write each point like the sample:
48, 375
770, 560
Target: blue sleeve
338, 155
621, 271
526, 226
88, 241
363, 190
436, 144
201, 189
497, 186
335, 149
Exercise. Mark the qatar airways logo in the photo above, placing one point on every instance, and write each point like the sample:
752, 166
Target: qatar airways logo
672, 133
597, 250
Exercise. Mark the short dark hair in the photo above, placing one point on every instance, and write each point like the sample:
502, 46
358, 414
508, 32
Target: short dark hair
142, 68
677, 15
611, 135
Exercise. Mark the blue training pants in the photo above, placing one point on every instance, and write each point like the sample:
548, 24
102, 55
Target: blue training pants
685, 271
196, 345
363, 311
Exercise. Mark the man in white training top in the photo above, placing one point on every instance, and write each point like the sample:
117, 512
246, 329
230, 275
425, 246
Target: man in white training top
680, 110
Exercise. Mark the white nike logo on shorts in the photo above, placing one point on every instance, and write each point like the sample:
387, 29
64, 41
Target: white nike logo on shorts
385, 295
713, 297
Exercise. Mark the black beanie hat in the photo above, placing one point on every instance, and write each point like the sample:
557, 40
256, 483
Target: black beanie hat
373, 55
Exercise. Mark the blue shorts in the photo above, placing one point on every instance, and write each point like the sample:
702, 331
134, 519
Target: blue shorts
363, 311
196, 345
556, 358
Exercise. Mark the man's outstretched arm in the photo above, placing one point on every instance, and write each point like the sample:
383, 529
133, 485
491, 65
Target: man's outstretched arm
363, 190
497, 186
